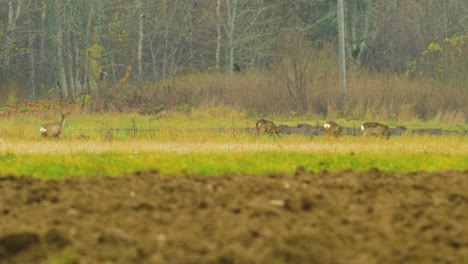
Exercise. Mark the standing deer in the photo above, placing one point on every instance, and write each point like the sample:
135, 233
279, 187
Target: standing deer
332, 129
53, 130
266, 126
375, 129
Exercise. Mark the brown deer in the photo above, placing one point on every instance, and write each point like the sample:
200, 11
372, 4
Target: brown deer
375, 129
53, 130
332, 129
266, 126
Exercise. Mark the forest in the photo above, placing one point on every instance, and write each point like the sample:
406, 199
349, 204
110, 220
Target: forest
404, 59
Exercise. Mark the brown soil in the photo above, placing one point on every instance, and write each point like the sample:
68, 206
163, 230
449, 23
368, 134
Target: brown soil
348, 217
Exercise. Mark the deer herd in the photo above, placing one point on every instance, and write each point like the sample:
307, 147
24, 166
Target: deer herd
331, 128
367, 129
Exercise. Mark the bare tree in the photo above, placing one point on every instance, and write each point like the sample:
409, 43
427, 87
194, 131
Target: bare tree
169, 39
359, 16
295, 72
60, 60
13, 15
250, 27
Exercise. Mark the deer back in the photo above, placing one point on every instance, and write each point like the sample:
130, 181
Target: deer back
51, 129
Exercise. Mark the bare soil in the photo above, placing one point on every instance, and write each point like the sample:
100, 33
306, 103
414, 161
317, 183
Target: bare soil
348, 217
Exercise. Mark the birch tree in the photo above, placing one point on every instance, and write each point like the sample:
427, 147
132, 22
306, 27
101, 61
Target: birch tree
141, 16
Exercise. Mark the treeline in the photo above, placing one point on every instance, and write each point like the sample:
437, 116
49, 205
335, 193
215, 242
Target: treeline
262, 55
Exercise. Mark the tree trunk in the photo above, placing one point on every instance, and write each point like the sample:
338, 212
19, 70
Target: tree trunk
365, 31
32, 61
218, 34
61, 77
166, 41
341, 46
69, 50
42, 50
232, 10
11, 26
359, 33
86, 41
140, 39
190, 35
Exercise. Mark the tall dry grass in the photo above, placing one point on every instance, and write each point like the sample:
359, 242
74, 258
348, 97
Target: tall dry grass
243, 144
369, 96
396, 98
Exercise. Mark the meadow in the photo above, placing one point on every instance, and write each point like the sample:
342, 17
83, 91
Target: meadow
211, 144
205, 189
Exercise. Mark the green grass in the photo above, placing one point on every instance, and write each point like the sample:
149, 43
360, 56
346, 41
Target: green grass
52, 166
247, 154
186, 145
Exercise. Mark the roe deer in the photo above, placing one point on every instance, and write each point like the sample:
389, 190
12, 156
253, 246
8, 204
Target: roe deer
53, 130
375, 129
332, 129
266, 126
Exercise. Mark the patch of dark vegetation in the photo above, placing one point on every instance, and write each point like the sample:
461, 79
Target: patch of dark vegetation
307, 129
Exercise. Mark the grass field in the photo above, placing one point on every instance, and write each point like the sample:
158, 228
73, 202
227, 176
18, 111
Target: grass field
114, 145
223, 194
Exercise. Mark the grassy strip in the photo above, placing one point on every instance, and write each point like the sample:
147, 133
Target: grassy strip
192, 144
170, 126
52, 166
218, 153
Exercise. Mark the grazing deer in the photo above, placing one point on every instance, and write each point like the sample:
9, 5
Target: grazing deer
266, 126
332, 129
53, 130
375, 129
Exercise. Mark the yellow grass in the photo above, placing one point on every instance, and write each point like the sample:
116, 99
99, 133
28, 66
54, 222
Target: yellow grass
404, 145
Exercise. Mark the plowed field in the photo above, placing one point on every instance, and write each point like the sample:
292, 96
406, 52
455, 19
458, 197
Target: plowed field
347, 217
